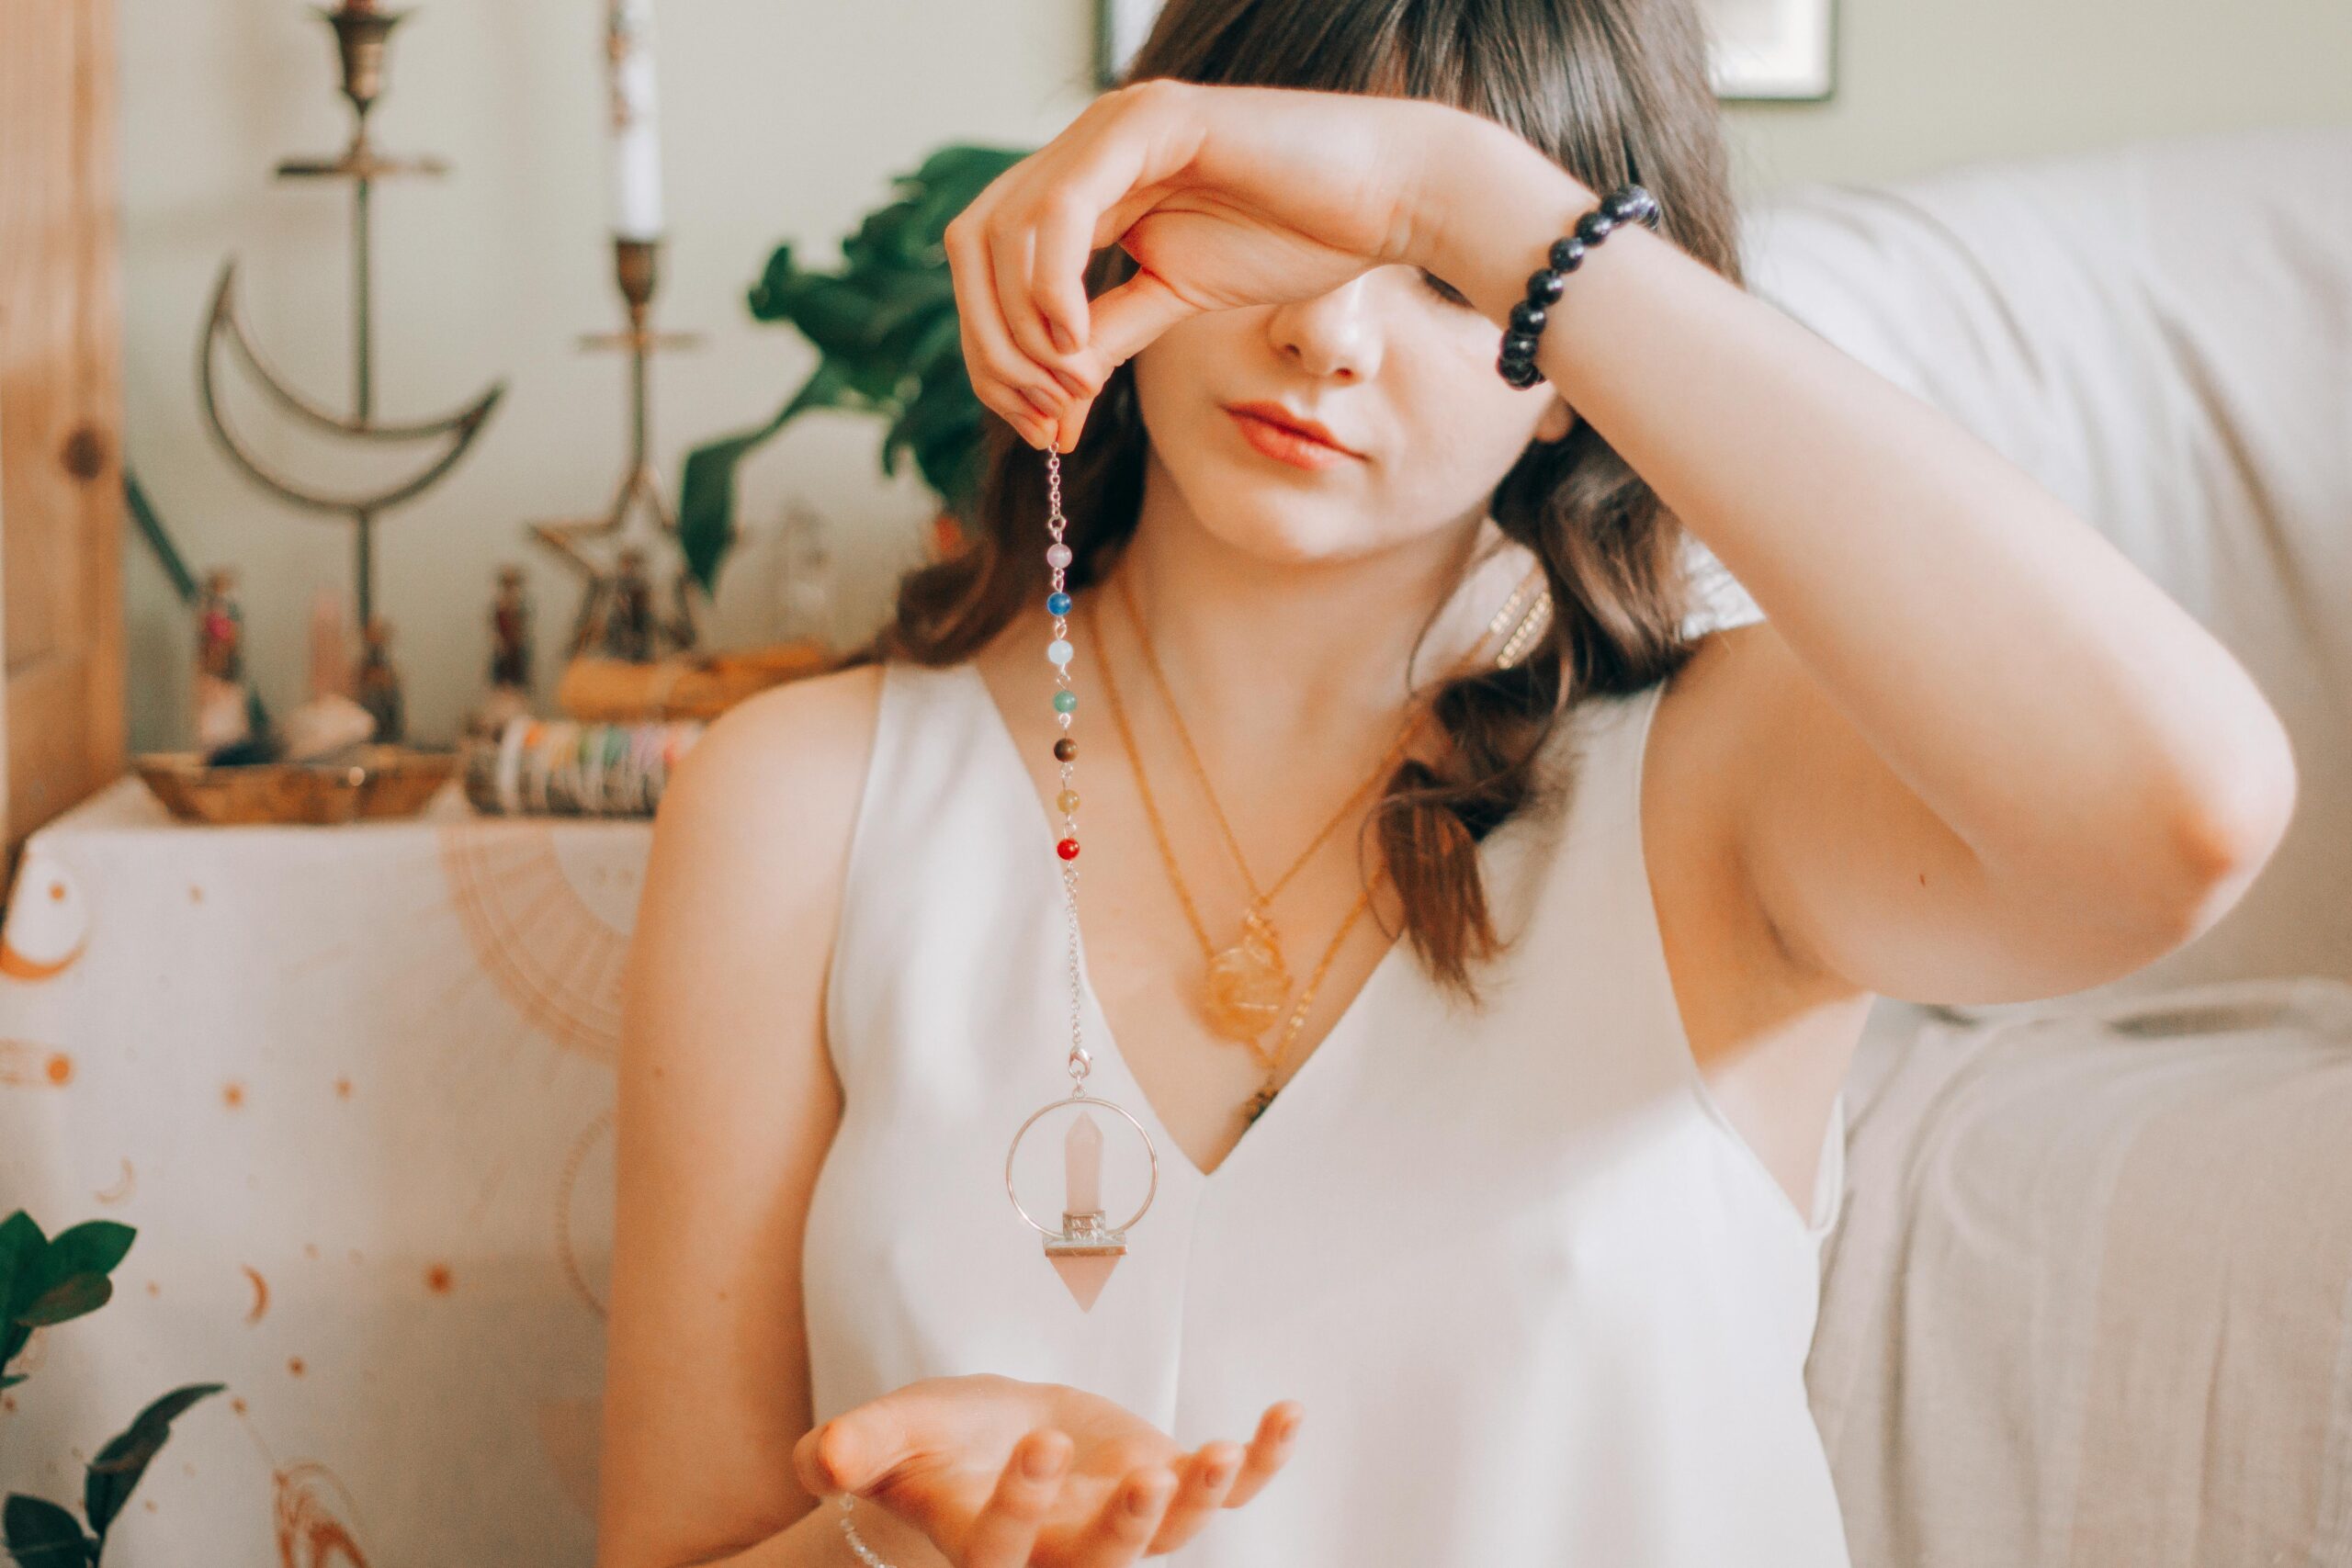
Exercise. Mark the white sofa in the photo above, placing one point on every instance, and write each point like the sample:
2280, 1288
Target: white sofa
2091, 1301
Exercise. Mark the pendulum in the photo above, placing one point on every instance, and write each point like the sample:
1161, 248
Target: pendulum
1085, 1248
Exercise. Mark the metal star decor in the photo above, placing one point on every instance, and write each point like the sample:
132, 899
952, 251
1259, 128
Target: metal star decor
617, 585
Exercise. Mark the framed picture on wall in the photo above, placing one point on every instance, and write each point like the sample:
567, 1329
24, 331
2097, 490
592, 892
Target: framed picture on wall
1778, 49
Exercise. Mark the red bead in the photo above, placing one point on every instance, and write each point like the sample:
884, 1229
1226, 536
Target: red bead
1067, 849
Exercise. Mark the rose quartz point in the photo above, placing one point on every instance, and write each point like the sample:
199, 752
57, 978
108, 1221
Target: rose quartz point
1082, 1165
1085, 1277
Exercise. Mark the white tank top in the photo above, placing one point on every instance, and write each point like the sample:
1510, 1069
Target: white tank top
1541, 1302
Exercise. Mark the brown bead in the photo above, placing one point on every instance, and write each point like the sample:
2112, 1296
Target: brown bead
1064, 749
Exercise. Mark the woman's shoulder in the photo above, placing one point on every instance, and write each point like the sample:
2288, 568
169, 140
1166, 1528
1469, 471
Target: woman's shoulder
809, 738
775, 782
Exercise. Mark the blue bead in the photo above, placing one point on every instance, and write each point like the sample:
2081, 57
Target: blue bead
1058, 604
1058, 651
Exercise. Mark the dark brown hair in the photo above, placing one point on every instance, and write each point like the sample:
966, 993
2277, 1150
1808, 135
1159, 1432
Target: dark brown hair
1612, 90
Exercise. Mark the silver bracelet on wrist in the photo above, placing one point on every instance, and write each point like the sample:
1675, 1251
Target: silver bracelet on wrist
866, 1553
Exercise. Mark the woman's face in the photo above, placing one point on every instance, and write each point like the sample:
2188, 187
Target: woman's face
1400, 371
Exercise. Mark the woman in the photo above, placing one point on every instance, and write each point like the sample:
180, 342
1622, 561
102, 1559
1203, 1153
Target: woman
1535, 1237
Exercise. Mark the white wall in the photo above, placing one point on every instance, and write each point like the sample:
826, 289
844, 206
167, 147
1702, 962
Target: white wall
785, 120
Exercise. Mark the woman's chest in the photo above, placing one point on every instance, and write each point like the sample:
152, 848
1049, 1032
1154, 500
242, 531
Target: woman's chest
1403, 1190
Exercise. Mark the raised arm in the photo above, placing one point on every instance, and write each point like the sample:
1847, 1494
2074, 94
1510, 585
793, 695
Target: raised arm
1980, 756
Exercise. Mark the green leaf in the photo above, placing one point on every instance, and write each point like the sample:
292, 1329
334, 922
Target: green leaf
834, 313
77, 1295
42, 1535
889, 342
936, 353
765, 296
21, 1245
952, 466
706, 486
707, 500
896, 295
94, 1247
66, 1276
936, 413
892, 238
10, 1380
115, 1473
952, 176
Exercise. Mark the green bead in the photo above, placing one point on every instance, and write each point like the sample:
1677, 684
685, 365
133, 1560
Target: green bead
1065, 701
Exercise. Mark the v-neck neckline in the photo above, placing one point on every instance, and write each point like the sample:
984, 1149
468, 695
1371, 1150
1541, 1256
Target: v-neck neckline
1047, 835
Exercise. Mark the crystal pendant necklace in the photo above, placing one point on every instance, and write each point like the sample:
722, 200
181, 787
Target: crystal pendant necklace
1084, 1248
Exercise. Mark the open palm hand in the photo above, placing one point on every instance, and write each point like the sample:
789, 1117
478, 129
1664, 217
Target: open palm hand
951, 1456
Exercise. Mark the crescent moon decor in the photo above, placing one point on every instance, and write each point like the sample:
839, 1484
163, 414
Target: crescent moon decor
361, 33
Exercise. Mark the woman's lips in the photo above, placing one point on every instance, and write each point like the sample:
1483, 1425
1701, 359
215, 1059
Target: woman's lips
1287, 445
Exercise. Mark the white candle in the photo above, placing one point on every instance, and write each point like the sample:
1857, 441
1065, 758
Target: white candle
637, 138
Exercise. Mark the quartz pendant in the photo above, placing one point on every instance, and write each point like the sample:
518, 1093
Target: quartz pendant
1086, 1250
1248, 984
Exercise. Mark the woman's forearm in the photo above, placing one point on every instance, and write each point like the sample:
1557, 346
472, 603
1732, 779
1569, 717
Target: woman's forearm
2047, 701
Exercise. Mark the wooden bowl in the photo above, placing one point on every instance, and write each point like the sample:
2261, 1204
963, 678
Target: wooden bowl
372, 782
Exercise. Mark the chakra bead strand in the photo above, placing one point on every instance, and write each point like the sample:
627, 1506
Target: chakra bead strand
1058, 653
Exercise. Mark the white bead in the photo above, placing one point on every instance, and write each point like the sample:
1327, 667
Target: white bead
1058, 651
1058, 555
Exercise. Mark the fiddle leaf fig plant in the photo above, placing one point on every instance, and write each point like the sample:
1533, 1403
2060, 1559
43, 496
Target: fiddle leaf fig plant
48, 1281
884, 326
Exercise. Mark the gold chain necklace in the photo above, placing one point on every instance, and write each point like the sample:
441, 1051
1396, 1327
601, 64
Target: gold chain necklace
1248, 983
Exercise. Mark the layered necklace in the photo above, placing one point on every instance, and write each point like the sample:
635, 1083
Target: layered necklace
1246, 986
1248, 982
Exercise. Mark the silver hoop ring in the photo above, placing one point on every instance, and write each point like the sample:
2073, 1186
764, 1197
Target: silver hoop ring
1080, 1100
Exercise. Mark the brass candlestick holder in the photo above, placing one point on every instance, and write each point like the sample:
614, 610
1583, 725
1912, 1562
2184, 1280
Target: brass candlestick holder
361, 32
617, 608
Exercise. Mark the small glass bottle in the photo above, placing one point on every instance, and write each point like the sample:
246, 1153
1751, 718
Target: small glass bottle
805, 588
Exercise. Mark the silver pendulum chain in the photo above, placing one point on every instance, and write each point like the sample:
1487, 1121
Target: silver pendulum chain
1083, 1240
1085, 1233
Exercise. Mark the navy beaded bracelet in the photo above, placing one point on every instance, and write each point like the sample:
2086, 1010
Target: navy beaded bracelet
1626, 204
